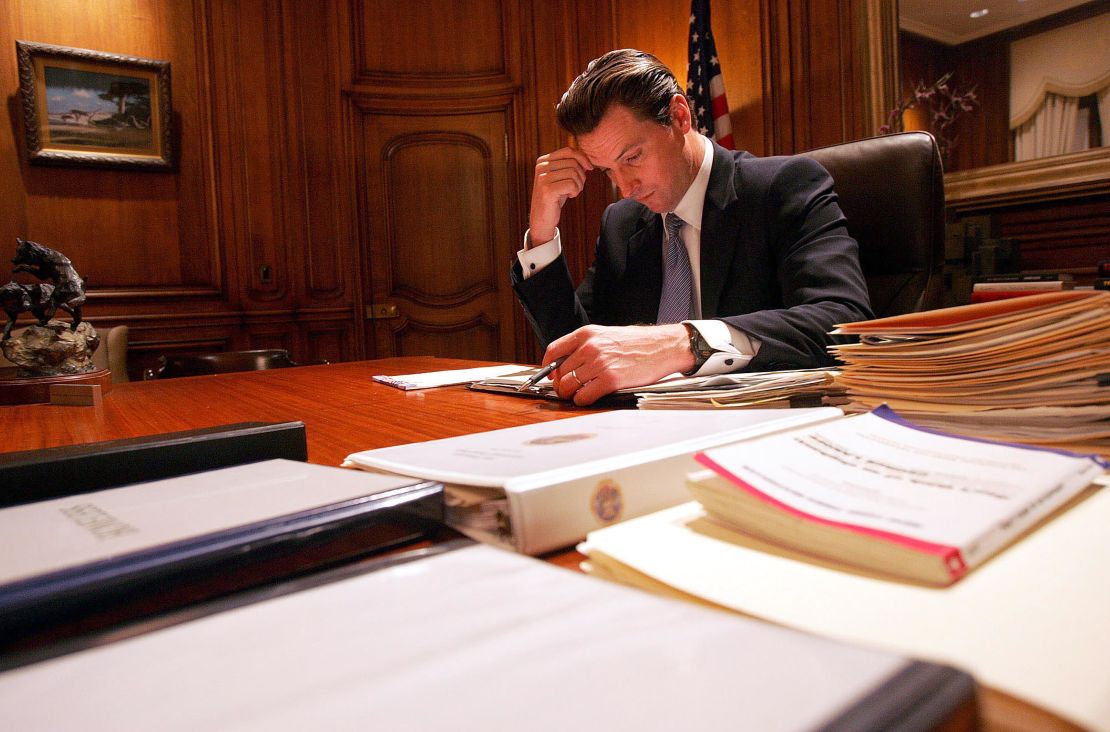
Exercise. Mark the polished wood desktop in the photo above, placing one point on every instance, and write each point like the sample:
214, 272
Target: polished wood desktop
344, 411
343, 408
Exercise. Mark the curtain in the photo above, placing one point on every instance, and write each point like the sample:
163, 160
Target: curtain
1051, 129
1071, 61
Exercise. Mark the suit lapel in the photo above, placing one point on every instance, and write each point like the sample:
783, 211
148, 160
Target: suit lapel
719, 230
645, 264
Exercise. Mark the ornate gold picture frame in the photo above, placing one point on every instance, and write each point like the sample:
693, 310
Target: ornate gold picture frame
88, 108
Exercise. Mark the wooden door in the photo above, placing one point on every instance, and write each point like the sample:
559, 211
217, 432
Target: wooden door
435, 100
437, 234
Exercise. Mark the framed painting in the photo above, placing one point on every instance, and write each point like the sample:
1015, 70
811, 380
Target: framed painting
87, 108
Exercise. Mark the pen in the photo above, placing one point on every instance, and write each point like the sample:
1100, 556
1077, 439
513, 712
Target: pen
539, 375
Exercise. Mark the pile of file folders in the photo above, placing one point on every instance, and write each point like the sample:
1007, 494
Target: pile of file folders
215, 579
1033, 369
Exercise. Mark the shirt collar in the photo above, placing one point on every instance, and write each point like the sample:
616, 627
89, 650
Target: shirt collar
690, 207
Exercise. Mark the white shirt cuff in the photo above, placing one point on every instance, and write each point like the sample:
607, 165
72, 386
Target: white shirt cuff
534, 259
732, 348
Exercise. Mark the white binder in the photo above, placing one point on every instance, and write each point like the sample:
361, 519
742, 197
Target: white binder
544, 486
475, 639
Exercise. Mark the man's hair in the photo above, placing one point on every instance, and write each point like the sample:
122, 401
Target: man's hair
631, 78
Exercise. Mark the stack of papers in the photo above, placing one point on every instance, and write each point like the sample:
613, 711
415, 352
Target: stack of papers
801, 388
765, 390
1032, 369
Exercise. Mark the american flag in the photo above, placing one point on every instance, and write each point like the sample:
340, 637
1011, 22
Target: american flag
704, 86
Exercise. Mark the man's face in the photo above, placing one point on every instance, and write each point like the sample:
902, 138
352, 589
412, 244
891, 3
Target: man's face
647, 161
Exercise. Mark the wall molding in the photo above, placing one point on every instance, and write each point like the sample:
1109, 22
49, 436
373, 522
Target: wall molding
995, 186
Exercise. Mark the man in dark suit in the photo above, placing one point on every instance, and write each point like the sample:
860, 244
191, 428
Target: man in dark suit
715, 261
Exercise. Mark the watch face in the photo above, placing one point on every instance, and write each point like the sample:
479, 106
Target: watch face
700, 349
703, 349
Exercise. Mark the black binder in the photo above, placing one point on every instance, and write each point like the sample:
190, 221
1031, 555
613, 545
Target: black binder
129, 584
36, 475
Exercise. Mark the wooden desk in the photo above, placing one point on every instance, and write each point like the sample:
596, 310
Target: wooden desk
344, 411
343, 408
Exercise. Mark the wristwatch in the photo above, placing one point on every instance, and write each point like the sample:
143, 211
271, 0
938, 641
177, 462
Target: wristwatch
700, 347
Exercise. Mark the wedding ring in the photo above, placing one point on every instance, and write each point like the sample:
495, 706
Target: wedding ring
575, 377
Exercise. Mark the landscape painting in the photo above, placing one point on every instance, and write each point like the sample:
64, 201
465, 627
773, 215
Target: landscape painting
92, 108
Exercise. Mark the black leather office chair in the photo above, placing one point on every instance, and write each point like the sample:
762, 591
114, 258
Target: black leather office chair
200, 364
891, 188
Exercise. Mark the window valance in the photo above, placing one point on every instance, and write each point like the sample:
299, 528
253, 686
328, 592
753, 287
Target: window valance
1072, 61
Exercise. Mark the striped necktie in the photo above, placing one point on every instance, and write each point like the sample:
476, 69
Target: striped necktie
676, 302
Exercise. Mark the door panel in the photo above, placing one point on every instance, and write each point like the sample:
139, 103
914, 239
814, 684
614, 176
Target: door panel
437, 211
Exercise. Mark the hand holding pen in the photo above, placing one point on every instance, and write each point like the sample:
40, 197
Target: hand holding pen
541, 374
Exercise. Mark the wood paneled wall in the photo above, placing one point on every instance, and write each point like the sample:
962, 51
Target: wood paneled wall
982, 135
247, 244
345, 159
1069, 237
795, 71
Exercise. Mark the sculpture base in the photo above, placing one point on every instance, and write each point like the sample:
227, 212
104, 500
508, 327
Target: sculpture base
36, 389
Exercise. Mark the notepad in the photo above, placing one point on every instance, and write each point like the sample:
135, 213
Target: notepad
431, 379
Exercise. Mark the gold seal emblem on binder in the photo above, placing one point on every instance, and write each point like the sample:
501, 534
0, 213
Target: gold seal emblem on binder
560, 439
607, 502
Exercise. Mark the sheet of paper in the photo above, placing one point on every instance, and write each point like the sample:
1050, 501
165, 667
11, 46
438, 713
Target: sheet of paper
433, 379
1030, 622
476, 638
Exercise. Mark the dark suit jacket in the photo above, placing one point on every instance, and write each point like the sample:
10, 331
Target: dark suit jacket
776, 262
